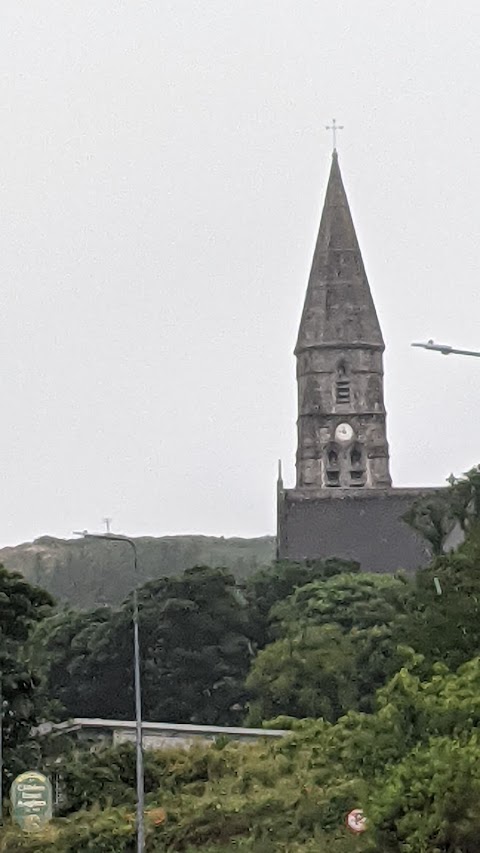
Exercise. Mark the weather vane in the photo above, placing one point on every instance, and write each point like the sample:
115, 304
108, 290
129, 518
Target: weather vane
334, 127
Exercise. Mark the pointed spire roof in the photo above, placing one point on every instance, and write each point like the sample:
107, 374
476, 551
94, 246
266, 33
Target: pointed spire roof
338, 309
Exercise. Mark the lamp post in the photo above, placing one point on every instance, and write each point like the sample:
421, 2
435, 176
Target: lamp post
113, 537
445, 349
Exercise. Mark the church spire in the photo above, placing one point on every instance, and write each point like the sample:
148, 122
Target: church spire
338, 306
342, 440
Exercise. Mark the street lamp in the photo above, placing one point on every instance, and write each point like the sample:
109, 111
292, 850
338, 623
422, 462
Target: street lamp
445, 349
113, 537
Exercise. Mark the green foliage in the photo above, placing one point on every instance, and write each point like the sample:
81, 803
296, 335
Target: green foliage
196, 643
72, 650
339, 639
435, 515
413, 765
195, 648
21, 607
98, 831
307, 674
428, 800
446, 627
275, 583
433, 518
198, 636
351, 601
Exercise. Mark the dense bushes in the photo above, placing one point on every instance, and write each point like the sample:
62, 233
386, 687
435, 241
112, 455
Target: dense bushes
413, 765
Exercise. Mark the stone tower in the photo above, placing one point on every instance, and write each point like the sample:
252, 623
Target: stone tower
343, 504
342, 441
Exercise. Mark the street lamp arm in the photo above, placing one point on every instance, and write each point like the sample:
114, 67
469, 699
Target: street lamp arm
112, 537
446, 349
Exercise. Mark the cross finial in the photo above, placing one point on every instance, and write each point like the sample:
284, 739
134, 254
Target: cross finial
334, 127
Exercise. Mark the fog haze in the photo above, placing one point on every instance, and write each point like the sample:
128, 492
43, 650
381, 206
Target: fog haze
162, 173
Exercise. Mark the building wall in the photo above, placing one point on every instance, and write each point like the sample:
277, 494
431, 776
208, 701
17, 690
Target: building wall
366, 526
174, 741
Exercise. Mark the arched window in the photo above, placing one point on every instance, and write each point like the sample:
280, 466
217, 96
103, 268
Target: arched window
356, 455
332, 456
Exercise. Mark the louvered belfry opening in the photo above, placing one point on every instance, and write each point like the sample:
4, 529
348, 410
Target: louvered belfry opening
343, 391
332, 466
342, 385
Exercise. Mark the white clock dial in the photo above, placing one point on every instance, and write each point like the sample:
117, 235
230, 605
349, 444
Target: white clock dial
344, 432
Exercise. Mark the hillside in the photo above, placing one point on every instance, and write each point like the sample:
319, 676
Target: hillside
86, 573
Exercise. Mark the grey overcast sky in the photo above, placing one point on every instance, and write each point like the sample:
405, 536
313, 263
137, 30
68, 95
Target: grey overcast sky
162, 171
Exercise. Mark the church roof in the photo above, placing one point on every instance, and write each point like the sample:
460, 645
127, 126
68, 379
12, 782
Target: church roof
338, 309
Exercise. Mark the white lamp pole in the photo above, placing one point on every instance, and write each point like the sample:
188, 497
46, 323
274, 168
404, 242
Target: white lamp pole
113, 537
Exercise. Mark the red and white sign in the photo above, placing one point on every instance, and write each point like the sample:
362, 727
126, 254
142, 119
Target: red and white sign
356, 820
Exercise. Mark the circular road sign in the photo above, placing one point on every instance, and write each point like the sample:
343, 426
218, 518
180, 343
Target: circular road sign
356, 821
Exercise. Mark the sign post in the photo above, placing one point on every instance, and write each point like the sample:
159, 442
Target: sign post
31, 797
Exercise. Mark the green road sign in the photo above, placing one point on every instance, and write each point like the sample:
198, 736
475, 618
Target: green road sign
31, 796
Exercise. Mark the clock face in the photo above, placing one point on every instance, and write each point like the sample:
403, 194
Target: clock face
344, 432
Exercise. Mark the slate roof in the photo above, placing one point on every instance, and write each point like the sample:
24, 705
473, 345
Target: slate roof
338, 307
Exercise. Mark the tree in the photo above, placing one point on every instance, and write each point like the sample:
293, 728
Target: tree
85, 658
276, 583
426, 798
195, 652
435, 516
21, 607
338, 641
351, 601
195, 634
446, 627
310, 673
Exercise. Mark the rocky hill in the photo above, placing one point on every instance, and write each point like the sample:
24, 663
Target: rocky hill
86, 573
